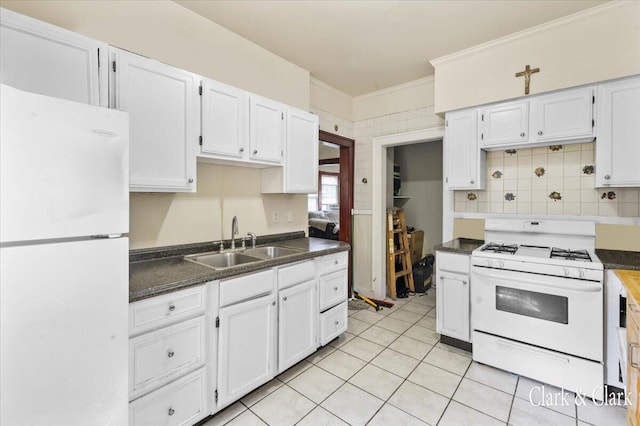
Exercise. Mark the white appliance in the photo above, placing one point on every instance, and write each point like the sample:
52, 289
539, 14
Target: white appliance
537, 302
64, 205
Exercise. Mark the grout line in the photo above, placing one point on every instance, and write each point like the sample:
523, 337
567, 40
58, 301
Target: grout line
513, 399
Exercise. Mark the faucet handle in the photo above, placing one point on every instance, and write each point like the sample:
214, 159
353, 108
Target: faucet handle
253, 239
221, 248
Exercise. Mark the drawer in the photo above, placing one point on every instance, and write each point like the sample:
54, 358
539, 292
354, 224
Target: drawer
160, 356
333, 262
166, 309
452, 262
333, 289
296, 274
333, 323
246, 287
183, 402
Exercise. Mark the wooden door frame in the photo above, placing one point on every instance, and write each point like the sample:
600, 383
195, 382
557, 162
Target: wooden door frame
347, 151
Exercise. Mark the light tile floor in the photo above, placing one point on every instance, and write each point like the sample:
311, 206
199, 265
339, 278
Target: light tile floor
390, 369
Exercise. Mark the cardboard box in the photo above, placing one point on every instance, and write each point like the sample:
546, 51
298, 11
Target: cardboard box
416, 239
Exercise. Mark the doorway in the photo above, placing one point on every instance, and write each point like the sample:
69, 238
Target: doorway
344, 164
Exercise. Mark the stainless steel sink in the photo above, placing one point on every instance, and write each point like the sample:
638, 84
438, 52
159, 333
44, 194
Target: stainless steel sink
222, 260
270, 252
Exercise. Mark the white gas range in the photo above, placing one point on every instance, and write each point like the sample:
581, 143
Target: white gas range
537, 302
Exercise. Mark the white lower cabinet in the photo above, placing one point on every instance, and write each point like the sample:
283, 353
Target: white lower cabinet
297, 324
183, 402
333, 281
333, 323
246, 347
453, 296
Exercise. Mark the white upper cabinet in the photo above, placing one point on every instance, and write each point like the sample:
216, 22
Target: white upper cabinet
266, 130
563, 116
618, 144
504, 124
464, 161
225, 121
164, 119
42, 58
300, 172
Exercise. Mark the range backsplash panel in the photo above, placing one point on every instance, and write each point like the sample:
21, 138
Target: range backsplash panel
551, 180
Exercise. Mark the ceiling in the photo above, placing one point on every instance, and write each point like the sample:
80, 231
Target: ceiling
362, 46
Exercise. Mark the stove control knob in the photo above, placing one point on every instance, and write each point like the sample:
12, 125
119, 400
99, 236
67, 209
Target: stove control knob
489, 262
581, 273
567, 272
501, 264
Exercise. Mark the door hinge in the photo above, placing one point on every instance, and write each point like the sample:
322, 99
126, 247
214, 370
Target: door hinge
200, 140
482, 117
593, 99
446, 123
216, 393
446, 180
113, 65
282, 115
98, 57
200, 90
217, 322
281, 153
593, 123
481, 136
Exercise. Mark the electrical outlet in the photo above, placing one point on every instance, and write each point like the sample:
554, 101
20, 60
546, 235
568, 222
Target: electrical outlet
289, 216
276, 216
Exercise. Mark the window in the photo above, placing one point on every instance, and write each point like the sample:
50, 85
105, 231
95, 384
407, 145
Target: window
329, 191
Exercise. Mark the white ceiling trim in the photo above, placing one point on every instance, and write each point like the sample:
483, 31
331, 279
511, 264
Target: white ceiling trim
331, 89
530, 31
392, 89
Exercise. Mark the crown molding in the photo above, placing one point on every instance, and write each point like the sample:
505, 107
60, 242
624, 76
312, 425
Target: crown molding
531, 31
396, 88
325, 86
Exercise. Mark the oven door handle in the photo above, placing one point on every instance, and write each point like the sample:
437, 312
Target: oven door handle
555, 357
585, 288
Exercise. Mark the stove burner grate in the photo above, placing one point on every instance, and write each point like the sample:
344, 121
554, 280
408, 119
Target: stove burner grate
501, 248
558, 253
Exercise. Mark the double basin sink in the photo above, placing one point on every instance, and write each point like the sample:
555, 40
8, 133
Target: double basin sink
230, 259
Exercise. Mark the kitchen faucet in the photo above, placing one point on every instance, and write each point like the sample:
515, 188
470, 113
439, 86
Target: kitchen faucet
234, 232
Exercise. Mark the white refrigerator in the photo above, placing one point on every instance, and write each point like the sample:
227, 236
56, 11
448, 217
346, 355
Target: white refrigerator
64, 208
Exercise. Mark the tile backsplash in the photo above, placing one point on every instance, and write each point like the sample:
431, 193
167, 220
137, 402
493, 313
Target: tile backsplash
551, 180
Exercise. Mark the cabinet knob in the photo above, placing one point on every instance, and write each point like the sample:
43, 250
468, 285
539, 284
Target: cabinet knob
273, 303
335, 288
172, 308
284, 298
540, 132
190, 180
472, 182
464, 282
522, 135
241, 150
255, 151
607, 177
171, 411
337, 322
170, 354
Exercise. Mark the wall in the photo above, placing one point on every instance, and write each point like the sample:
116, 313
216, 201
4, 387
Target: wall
421, 177
168, 32
595, 45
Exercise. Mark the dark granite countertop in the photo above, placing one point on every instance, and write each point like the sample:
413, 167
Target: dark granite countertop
619, 259
157, 271
460, 245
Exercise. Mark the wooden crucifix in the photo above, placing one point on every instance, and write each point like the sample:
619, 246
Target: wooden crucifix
527, 77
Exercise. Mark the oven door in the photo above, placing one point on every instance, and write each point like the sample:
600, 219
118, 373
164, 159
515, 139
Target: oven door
563, 314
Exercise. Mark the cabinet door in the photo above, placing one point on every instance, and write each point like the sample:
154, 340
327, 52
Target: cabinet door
464, 160
301, 153
563, 116
618, 147
505, 124
453, 305
246, 347
162, 102
225, 121
266, 118
298, 324
41, 58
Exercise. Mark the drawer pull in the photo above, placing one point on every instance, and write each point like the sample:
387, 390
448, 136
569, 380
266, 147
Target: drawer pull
172, 308
170, 354
336, 262
171, 411
284, 298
